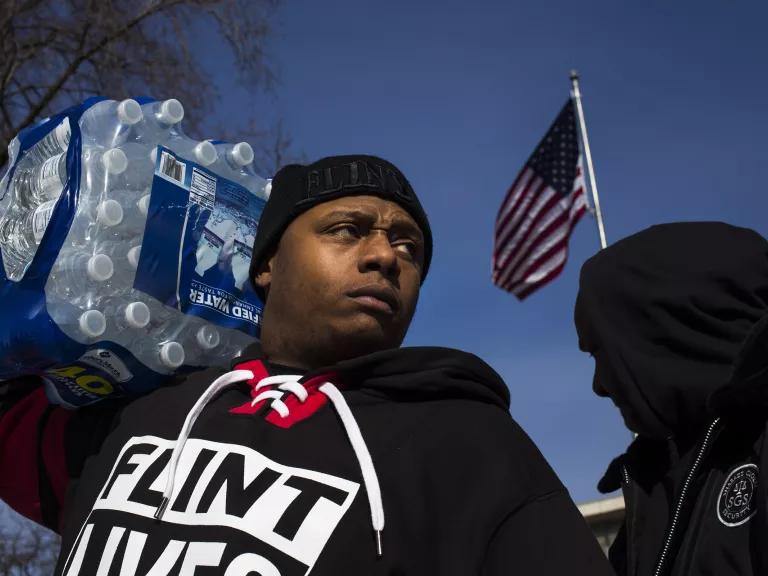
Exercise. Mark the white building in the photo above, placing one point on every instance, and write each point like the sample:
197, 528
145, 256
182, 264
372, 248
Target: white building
604, 517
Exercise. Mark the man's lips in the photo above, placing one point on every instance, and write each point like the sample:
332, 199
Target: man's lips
378, 298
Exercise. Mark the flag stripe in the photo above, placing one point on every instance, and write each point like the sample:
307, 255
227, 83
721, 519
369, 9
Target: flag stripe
536, 223
543, 253
523, 292
520, 182
528, 219
554, 258
558, 228
513, 197
532, 187
554, 231
539, 262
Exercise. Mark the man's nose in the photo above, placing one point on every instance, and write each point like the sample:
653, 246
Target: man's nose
379, 254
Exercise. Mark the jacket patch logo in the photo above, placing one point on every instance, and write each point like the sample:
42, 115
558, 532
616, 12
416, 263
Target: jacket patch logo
232, 510
736, 504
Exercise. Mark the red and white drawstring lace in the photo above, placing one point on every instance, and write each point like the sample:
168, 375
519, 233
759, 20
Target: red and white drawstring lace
274, 389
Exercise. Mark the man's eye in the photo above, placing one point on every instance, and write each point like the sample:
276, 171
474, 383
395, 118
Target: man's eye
406, 247
345, 231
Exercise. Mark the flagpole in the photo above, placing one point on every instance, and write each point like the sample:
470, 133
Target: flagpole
576, 94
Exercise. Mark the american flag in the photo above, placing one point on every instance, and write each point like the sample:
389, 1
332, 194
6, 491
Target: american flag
541, 208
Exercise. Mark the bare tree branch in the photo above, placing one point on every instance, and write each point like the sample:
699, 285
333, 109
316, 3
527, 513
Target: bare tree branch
57, 52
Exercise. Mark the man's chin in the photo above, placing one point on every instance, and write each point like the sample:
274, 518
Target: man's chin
364, 336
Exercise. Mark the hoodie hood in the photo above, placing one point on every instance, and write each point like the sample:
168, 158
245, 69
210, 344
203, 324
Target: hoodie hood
666, 313
747, 390
415, 374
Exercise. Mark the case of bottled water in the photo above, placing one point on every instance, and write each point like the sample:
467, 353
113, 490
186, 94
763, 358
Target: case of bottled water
125, 249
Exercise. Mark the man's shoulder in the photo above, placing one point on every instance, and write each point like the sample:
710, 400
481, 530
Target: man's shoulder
181, 390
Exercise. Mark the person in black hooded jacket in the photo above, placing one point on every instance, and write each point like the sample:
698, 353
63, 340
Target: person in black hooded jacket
676, 318
328, 448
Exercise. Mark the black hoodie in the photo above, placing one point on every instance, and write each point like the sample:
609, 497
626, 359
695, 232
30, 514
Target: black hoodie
401, 462
675, 319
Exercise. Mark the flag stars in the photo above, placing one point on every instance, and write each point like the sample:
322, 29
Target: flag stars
556, 156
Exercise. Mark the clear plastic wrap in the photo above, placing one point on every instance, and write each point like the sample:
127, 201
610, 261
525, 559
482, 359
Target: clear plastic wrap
125, 248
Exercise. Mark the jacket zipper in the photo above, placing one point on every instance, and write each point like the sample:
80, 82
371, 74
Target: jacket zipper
679, 507
628, 517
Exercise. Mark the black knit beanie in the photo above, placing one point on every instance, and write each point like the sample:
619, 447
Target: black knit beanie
296, 188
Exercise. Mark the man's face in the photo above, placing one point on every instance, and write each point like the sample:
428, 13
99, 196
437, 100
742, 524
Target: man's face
343, 281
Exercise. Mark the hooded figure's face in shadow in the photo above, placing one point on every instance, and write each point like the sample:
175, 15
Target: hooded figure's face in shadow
664, 313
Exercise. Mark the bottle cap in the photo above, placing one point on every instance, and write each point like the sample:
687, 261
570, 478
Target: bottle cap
100, 268
143, 204
133, 256
208, 337
241, 154
171, 112
172, 354
109, 213
129, 112
115, 161
205, 153
92, 323
137, 314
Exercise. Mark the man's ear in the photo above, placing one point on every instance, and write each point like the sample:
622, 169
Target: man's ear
263, 276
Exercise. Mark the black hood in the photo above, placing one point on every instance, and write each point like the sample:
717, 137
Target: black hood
747, 391
416, 373
666, 313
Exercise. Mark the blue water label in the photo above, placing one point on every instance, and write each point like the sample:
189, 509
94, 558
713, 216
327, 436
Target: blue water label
197, 244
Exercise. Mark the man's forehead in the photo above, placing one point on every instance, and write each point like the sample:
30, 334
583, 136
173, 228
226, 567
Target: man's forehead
370, 206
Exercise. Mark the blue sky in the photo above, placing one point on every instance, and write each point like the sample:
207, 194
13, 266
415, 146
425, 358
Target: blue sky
457, 94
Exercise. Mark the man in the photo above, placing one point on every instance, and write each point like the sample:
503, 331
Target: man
328, 449
675, 317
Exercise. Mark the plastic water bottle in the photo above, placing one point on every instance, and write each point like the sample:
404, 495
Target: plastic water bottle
135, 210
45, 181
52, 144
203, 153
232, 159
163, 357
160, 119
207, 337
37, 191
100, 166
125, 315
75, 276
141, 159
81, 326
95, 220
105, 213
21, 236
125, 258
108, 123
203, 341
161, 316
